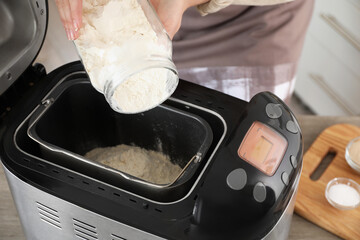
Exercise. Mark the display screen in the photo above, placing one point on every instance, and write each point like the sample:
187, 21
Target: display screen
262, 150
263, 147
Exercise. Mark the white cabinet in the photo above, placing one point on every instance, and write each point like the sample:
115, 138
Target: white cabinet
329, 70
57, 49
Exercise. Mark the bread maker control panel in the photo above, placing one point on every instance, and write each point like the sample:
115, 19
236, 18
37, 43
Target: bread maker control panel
268, 146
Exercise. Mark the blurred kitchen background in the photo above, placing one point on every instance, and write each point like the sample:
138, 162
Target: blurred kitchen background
328, 78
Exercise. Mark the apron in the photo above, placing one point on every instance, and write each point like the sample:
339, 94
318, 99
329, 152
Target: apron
243, 50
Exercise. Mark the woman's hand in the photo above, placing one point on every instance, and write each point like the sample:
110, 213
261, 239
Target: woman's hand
70, 15
170, 12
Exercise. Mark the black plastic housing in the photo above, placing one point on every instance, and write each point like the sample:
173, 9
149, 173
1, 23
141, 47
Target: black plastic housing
210, 209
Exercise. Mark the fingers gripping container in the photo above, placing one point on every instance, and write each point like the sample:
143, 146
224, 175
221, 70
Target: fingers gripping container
127, 54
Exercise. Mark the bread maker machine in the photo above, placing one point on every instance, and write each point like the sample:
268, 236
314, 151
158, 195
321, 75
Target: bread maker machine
241, 161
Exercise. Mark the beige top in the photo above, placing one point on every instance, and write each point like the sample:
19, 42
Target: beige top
216, 5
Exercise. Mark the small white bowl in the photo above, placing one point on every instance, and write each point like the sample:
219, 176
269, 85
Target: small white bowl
353, 164
347, 182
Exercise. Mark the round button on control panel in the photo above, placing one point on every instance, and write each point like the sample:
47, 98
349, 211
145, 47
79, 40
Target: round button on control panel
293, 161
237, 179
259, 192
273, 110
285, 178
291, 127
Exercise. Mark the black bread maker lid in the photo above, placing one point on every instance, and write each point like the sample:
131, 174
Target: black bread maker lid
23, 25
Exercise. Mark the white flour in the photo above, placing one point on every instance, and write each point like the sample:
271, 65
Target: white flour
154, 167
142, 90
116, 33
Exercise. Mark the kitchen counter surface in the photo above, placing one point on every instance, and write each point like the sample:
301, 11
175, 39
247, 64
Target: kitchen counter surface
311, 126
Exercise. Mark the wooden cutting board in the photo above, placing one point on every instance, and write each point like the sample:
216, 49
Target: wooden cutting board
311, 202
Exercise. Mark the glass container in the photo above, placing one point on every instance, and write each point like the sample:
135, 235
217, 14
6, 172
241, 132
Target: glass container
134, 70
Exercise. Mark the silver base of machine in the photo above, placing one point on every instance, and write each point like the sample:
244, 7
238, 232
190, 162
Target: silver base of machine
44, 216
